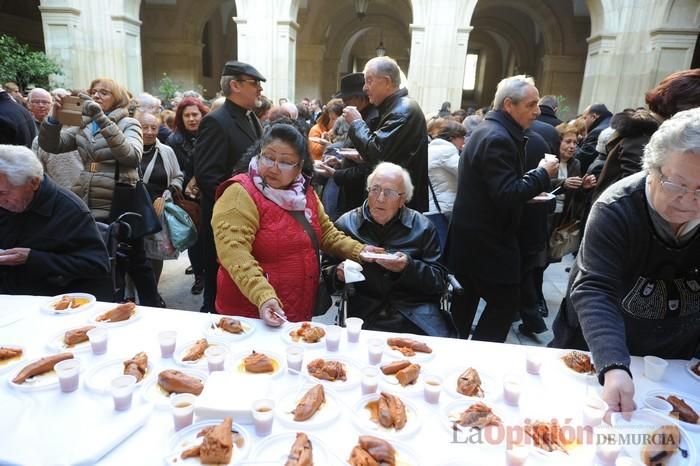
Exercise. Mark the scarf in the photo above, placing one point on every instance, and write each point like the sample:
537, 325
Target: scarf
291, 198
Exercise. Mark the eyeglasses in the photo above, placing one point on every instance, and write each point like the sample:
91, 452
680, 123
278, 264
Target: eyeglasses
40, 102
101, 92
254, 82
677, 189
390, 194
269, 162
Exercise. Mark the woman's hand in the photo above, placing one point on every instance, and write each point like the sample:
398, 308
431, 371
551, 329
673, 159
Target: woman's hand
589, 181
270, 312
370, 248
324, 170
618, 392
573, 182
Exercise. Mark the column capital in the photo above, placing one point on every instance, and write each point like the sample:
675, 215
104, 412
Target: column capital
64, 10
288, 22
127, 19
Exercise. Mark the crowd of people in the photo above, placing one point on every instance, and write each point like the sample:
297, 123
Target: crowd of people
282, 196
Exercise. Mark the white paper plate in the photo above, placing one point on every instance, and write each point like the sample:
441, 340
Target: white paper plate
418, 357
99, 377
391, 383
56, 342
152, 393
48, 306
352, 372
362, 418
294, 326
274, 450
405, 455
10, 316
211, 330
327, 413
134, 317
200, 363
644, 421
690, 400
38, 382
542, 197
187, 438
453, 410
492, 389
379, 255
689, 367
8, 364
278, 362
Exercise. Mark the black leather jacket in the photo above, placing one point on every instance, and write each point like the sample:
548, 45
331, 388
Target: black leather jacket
401, 137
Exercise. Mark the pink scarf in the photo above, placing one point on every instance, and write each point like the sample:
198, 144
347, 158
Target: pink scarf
291, 198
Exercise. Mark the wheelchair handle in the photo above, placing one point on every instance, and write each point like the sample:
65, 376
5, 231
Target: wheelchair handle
456, 287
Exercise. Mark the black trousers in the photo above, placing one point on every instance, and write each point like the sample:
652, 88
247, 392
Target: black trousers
135, 263
502, 305
195, 254
209, 262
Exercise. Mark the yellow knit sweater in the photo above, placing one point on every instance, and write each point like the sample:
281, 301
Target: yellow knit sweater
235, 223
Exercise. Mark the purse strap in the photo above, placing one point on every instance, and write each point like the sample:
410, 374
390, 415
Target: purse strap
299, 216
432, 191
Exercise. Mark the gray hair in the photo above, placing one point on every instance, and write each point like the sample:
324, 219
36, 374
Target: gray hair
549, 101
148, 103
19, 164
470, 123
385, 66
679, 134
388, 167
60, 92
513, 87
39, 90
226, 84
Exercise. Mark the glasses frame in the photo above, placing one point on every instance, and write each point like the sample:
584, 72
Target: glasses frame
389, 193
269, 162
101, 92
254, 82
676, 189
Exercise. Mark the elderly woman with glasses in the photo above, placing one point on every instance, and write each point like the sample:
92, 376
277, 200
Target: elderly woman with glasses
635, 287
268, 226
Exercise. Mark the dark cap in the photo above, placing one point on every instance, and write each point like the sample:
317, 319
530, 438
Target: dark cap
351, 85
234, 68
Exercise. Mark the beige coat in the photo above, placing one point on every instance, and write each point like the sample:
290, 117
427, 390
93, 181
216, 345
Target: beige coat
119, 139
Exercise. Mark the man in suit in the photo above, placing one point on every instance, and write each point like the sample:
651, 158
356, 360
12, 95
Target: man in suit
16, 123
224, 136
483, 249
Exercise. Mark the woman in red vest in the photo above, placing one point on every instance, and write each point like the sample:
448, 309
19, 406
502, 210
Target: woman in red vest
266, 221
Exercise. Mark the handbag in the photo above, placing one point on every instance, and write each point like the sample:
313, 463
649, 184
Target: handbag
158, 246
191, 207
566, 238
181, 229
128, 198
323, 299
439, 219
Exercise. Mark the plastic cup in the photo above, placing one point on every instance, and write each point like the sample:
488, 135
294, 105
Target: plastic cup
657, 404
511, 390
517, 455
627, 461
550, 158
654, 368
607, 453
183, 410
98, 340
332, 337
216, 357
68, 372
432, 386
167, 341
370, 380
533, 363
295, 357
353, 326
122, 391
593, 411
375, 349
263, 415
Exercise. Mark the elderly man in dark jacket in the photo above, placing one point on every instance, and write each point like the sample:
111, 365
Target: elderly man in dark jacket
224, 136
597, 118
50, 243
16, 123
401, 294
401, 135
482, 247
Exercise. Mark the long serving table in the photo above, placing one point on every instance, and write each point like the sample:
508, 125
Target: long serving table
47, 427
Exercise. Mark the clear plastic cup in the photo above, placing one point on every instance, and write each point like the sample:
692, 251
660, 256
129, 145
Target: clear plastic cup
627, 461
98, 340
370, 380
167, 340
517, 455
594, 411
511, 390
183, 410
353, 326
122, 391
654, 368
216, 357
657, 404
607, 453
432, 386
68, 372
295, 358
375, 349
333, 337
263, 415
533, 363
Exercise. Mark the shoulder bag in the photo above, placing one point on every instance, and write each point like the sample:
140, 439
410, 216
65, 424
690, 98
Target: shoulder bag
566, 238
128, 198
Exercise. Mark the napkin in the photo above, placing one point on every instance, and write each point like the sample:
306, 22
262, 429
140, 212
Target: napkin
352, 271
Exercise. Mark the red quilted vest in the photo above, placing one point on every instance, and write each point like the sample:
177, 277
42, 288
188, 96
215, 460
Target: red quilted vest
284, 252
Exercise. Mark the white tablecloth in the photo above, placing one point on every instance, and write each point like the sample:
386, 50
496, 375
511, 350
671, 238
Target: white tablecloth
49, 427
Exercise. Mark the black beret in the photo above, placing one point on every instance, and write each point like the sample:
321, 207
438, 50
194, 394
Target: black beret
234, 68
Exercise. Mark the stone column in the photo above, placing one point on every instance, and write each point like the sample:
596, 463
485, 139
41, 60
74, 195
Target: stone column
126, 33
671, 51
310, 72
284, 60
62, 34
599, 76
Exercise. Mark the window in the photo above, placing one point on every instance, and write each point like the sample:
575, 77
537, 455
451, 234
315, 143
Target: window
470, 72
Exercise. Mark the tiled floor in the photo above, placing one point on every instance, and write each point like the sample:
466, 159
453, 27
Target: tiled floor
175, 290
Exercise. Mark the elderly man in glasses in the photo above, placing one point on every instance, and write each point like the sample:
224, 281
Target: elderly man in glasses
635, 287
400, 294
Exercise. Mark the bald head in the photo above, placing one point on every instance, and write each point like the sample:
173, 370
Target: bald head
40, 101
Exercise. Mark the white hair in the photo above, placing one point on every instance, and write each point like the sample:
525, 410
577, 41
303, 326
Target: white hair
59, 91
291, 109
148, 103
514, 87
392, 168
679, 134
39, 90
19, 164
385, 66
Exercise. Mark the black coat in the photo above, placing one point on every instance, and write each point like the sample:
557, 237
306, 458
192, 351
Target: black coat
17, 125
67, 251
401, 137
533, 227
492, 191
549, 116
183, 144
586, 153
549, 134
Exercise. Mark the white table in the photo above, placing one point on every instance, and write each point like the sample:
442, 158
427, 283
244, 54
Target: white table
37, 428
